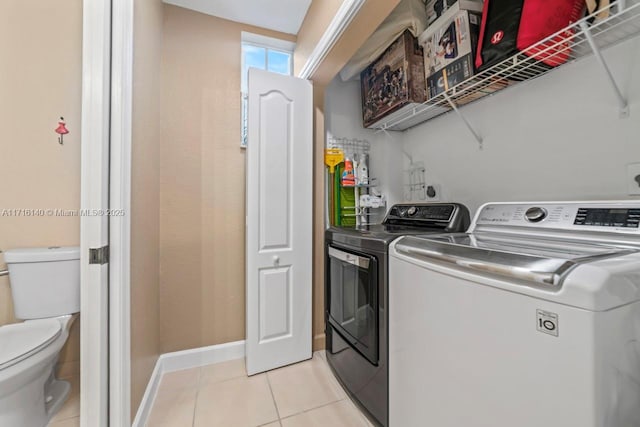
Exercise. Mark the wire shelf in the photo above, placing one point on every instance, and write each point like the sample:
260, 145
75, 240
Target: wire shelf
355, 149
571, 43
373, 182
350, 146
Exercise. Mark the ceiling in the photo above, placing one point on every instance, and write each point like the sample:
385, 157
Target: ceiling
279, 15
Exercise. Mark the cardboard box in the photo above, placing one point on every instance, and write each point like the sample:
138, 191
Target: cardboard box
393, 82
438, 8
449, 51
486, 87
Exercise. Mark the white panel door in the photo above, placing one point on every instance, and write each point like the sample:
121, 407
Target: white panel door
279, 221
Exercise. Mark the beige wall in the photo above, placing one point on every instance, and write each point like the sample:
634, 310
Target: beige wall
202, 197
40, 80
145, 196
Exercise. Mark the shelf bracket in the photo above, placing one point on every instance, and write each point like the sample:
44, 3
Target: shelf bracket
622, 101
622, 6
475, 134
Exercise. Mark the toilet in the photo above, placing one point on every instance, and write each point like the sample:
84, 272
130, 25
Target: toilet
45, 287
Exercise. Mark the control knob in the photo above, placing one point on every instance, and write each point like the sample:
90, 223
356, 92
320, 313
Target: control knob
535, 214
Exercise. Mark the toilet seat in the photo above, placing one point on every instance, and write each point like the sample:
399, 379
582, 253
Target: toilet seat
21, 340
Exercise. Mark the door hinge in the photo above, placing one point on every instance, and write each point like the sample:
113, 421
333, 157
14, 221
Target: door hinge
99, 255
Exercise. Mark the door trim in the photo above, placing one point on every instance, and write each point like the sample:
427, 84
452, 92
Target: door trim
96, 58
120, 225
340, 22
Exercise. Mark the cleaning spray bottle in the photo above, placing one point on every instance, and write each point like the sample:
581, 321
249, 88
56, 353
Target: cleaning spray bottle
362, 169
348, 178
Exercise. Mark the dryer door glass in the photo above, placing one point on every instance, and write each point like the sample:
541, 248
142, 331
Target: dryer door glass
353, 299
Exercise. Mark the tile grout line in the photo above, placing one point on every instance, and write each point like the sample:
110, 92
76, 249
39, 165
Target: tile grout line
225, 380
323, 362
273, 397
314, 408
195, 403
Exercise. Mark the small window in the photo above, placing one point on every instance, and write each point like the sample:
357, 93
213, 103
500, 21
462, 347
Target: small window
264, 53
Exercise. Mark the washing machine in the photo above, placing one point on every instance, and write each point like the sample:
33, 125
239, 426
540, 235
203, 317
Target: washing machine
529, 319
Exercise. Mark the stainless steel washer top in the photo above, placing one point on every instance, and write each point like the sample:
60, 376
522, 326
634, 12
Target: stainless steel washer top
536, 242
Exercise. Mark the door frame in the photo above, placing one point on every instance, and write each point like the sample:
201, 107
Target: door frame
96, 86
120, 226
106, 115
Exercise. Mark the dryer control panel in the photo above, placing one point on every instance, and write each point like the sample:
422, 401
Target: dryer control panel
617, 217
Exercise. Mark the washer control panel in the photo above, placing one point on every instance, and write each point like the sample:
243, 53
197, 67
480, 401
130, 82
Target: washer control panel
608, 217
621, 216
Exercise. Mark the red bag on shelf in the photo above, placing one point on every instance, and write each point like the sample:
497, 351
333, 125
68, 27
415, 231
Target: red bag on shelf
512, 26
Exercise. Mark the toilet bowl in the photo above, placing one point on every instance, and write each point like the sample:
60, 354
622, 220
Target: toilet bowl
45, 287
29, 393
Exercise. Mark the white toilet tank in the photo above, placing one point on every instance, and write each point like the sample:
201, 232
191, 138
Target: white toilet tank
45, 282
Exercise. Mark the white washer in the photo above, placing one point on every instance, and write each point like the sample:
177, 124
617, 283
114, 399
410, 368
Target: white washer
531, 318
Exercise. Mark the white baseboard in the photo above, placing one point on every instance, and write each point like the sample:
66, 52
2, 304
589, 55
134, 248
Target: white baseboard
179, 360
149, 395
195, 357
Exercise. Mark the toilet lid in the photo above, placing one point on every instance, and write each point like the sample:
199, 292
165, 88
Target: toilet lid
21, 340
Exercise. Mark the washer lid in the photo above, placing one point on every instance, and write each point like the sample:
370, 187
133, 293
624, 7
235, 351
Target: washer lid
21, 340
543, 261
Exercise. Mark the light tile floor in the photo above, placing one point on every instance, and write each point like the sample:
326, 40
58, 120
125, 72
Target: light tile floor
69, 414
302, 395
